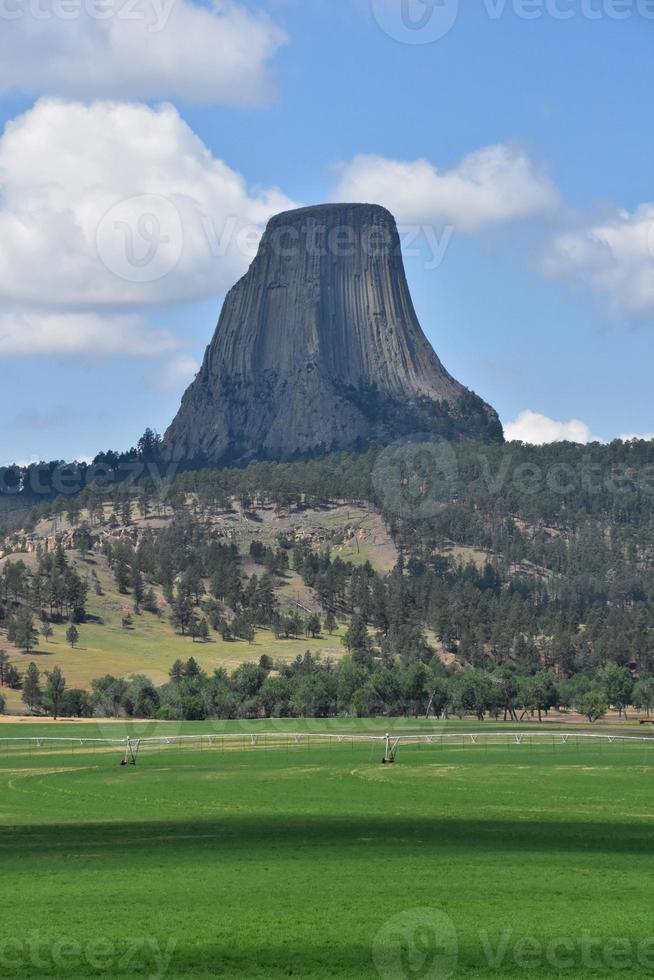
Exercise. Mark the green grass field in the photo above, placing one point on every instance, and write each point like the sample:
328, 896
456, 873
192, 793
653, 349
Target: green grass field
317, 861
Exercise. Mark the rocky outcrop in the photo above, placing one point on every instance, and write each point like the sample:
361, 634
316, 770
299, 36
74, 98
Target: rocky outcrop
318, 348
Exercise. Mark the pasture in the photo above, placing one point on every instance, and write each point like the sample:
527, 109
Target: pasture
294, 858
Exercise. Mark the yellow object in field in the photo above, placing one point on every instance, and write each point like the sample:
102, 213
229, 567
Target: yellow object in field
646, 721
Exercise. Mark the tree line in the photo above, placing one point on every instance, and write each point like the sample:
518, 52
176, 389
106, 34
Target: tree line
313, 687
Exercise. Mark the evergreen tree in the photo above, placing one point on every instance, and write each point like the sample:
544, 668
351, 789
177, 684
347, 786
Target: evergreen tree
126, 511
122, 576
182, 612
313, 625
53, 695
4, 664
356, 636
194, 627
330, 623
32, 694
72, 635
23, 633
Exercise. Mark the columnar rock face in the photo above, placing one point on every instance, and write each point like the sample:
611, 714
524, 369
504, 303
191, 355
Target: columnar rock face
318, 347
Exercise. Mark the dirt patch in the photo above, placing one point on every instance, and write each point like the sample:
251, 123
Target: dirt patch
37, 720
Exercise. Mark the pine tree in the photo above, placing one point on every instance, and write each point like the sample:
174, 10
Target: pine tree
313, 625
24, 633
32, 694
182, 613
122, 576
138, 588
192, 668
194, 627
150, 603
12, 677
356, 637
72, 635
4, 663
126, 511
330, 622
55, 687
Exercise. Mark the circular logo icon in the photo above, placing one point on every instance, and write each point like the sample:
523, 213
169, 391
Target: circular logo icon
417, 943
414, 479
416, 21
140, 239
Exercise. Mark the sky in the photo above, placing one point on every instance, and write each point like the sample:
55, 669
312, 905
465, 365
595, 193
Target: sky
145, 144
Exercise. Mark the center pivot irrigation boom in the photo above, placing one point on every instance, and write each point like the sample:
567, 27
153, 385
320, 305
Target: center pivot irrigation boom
389, 744
390, 748
131, 751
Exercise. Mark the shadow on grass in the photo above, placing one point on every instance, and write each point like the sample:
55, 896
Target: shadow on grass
255, 836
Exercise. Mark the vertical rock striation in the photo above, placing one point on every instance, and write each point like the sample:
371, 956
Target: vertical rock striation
318, 347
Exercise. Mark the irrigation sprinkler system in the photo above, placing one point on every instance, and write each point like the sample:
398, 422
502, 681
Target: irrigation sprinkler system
390, 744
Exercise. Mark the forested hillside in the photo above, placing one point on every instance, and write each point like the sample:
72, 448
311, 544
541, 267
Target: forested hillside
450, 558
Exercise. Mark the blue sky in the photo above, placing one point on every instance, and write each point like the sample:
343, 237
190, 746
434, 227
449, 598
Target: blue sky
523, 145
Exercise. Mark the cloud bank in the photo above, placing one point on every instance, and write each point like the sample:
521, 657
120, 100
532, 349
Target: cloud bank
147, 49
66, 334
612, 257
536, 429
113, 204
489, 187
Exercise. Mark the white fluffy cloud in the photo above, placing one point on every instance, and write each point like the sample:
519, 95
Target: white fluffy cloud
491, 186
538, 429
613, 257
113, 204
81, 334
631, 436
176, 374
143, 49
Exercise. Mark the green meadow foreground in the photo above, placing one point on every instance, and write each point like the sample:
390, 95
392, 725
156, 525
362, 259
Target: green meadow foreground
316, 861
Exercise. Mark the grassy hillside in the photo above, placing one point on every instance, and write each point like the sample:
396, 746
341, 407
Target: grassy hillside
151, 644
